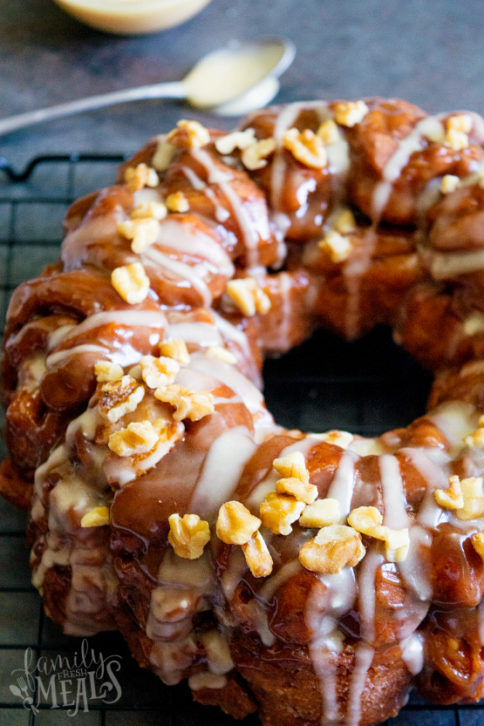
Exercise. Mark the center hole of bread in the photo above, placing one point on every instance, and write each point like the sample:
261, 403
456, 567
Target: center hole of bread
367, 386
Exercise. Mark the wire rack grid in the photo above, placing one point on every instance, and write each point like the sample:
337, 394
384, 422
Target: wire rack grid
345, 385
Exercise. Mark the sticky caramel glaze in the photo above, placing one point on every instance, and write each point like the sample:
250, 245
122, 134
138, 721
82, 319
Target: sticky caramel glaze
296, 646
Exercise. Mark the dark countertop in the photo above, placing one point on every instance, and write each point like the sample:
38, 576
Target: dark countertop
427, 51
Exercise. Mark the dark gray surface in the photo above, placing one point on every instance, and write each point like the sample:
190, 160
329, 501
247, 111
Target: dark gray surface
427, 51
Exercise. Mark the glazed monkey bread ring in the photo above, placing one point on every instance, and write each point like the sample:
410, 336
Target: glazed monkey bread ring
313, 578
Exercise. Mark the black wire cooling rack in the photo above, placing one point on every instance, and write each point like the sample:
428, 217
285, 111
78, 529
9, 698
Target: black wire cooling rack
367, 387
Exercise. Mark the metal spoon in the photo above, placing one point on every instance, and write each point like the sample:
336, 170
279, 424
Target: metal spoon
232, 80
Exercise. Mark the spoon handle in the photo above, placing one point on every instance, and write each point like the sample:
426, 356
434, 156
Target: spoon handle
174, 89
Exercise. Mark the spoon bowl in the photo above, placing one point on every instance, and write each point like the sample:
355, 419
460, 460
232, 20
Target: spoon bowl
232, 81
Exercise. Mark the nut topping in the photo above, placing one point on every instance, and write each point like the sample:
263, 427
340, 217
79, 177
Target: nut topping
149, 210
397, 543
257, 556
368, 520
472, 492
142, 232
97, 517
336, 246
106, 371
255, 156
321, 513
194, 405
235, 524
333, 548
449, 183
457, 127
298, 489
279, 511
189, 135
175, 348
248, 296
120, 397
138, 437
328, 132
177, 202
292, 465
188, 535
350, 113
131, 282
157, 372
140, 176
236, 140
451, 498
306, 147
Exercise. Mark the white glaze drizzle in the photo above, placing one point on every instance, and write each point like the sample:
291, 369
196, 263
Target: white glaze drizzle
194, 274
221, 470
245, 222
429, 127
393, 492
343, 483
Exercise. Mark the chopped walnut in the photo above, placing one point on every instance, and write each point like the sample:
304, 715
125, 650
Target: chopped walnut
350, 113
333, 548
177, 202
255, 156
140, 176
345, 222
194, 405
472, 491
449, 183
397, 542
216, 351
321, 513
235, 524
120, 397
106, 371
328, 132
235, 140
97, 517
149, 210
175, 348
257, 556
478, 543
188, 535
451, 498
475, 439
292, 465
339, 248
456, 130
459, 122
279, 511
131, 282
189, 135
337, 438
164, 154
298, 489
138, 437
141, 232
248, 296
368, 520
306, 147
158, 372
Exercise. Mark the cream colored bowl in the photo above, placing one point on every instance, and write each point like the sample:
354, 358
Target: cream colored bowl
132, 16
